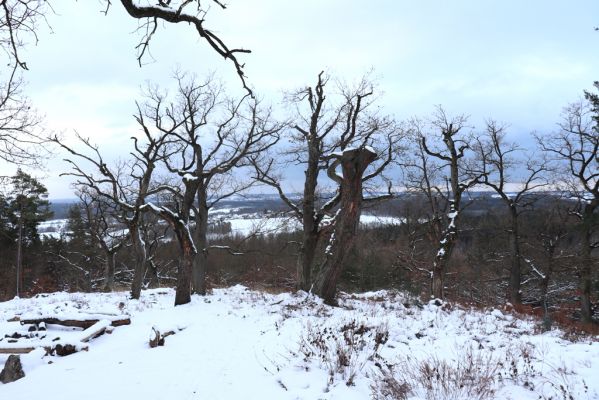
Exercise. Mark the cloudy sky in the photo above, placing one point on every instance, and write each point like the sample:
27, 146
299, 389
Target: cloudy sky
513, 60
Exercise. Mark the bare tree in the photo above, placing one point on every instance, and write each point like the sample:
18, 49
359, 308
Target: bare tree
498, 160
450, 151
99, 217
551, 256
20, 126
210, 136
576, 148
189, 12
127, 186
326, 124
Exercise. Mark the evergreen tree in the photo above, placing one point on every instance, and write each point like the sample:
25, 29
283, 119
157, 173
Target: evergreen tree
27, 207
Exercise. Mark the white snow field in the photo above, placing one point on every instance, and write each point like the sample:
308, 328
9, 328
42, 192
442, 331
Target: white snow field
241, 344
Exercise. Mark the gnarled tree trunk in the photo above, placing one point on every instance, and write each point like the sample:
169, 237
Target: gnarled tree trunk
446, 246
353, 163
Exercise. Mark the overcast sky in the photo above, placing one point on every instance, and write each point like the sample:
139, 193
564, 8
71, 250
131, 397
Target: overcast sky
518, 61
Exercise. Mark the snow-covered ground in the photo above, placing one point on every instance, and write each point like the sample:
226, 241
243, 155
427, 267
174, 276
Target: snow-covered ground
54, 228
242, 344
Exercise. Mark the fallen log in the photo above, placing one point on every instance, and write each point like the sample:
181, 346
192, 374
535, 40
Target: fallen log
97, 329
16, 350
59, 349
82, 321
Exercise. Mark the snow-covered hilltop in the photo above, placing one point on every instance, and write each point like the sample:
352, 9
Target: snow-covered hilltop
238, 343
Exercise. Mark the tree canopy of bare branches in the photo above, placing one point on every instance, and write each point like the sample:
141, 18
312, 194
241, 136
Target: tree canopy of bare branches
325, 123
190, 12
445, 153
20, 126
575, 147
499, 159
209, 136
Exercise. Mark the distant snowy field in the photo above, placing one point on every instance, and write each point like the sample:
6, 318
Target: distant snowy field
241, 224
242, 344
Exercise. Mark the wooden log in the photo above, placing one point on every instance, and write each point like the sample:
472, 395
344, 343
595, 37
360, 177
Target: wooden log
60, 349
83, 323
16, 350
94, 331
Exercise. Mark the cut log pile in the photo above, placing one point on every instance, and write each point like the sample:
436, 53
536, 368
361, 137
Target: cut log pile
93, 325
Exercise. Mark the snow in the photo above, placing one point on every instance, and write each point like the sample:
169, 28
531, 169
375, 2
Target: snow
247, 226
189, 177
237, 343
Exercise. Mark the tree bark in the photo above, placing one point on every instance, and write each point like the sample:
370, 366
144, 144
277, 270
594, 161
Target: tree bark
184, 273
310, 227
586, 271
139, 251
306, 259
109, 271
154, 278
354, 163
446, 246
200, 236
514, 292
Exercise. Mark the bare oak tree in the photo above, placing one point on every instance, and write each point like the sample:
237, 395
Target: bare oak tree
499, 159
576, 148
449, 147
99, 215
324, 125
127, 185
20, 126
210, 136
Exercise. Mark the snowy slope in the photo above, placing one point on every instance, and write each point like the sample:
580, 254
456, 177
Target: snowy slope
237, 343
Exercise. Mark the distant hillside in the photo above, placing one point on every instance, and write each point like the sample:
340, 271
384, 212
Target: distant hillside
60, 207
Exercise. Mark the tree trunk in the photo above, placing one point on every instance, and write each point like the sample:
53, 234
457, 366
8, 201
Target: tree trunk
514, 292
354, 163
139, 251
154, 278
20, 253
586, 267
306, 259
109, 269
310, 230
184, 273
545, 288
446, 246
200, 262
